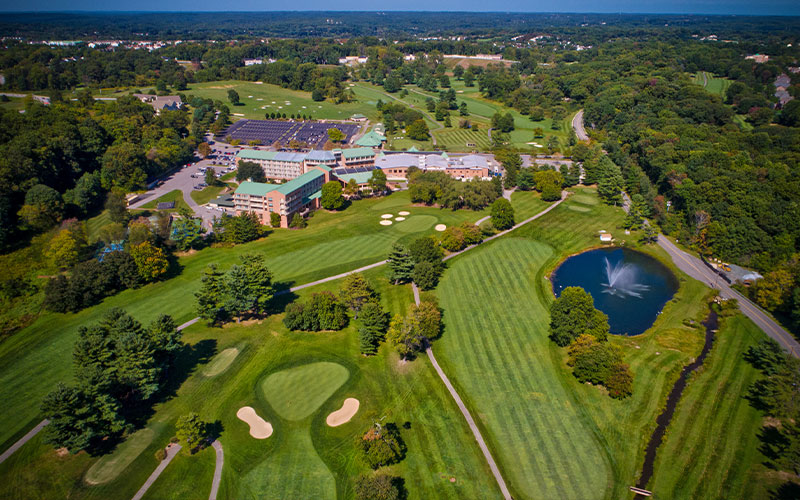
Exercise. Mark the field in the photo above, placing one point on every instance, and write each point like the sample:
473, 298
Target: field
175, 195
711, 83
689, 464
258, 99
553, 437
209, 193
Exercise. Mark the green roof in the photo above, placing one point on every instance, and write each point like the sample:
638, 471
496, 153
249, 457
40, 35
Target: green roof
360, 177
298, 182
314, 196
413, 149
371, 139
255, 154
255, 188
323, 167
357, 152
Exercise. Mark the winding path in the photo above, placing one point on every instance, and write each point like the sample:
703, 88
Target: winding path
577, 126
217, 470
172, 450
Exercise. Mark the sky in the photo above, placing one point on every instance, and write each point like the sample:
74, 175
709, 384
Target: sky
738, 7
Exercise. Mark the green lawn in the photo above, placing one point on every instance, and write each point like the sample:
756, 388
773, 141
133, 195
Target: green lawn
258, 99
33, 360
175, 195
303, 458
295, 393
527, 204
553, 437
710, 449
711, 83
209, 193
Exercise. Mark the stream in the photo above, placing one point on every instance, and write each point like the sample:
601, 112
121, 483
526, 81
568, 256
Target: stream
711, 323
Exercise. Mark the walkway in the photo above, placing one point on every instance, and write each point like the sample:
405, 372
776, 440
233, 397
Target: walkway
217, 470
464, 411
24, 439
172, 450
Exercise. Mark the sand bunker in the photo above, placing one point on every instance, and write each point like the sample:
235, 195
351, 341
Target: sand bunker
343, 414
259, 428
403, 213
387, 216
386, 222
399, 219
440, 227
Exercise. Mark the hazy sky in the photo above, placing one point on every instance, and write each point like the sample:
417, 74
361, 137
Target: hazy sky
742, 7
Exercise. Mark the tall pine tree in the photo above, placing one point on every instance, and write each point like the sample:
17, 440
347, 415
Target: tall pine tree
373, 327
401, 265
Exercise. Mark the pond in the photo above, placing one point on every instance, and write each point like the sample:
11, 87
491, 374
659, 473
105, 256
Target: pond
629, 286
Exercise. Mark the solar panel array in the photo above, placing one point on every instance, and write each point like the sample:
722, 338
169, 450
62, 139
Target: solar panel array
268, 131
352, 170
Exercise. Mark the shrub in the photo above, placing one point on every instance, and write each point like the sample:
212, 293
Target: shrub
502, 214
382, 445
321, 311
275, 219
161, 454
378, 487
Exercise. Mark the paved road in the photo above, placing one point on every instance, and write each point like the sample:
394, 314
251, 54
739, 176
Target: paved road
217, 470
172, 450
577, 126
695, 268
24, 439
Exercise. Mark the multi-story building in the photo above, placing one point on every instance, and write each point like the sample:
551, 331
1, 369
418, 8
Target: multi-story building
297, 195
396, 166
280, 165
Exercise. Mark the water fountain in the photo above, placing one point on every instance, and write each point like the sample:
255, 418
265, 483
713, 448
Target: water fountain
621, 280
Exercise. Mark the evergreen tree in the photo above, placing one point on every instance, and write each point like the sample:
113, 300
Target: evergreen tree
610, 181
356, 291
401, 265
373, 326
211, 296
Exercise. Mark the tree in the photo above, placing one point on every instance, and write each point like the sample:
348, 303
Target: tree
204, 149
321, 311
63, 250
426, 275
210, 177
356, 291
113, 232
469, 78
525, 179
124, 166
377, 181
43, 207
191, 430
233, 97
573, 314
187, 232
275, 219
372, 329
392, 83
317, 95
332, 198
249, 170
412, 333
549, 182
150, 260
511, 162
378, 487
248, 287
238, 229
297, 222
211, 296
78, 420
600, 363
335, 135
610, 181
117, 207
458, 72
418, 130
425, 249
351, 189
382, 445
502, 214
401, 264
773, 289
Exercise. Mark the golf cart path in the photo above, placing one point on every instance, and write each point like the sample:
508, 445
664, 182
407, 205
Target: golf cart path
24, 439
577, 125
467, 415
172, 450
217, 470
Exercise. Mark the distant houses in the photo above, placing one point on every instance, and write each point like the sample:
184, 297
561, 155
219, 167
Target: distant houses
161, 102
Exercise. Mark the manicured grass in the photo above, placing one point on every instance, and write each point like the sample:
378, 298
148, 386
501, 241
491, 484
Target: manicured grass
175, 195
33, 360
305, 459
109, 466
456, 139
207, 194
221, 362
415, 223
711, 449
713, 84
527, 204
558, 438
263, 96
296, 393
13, 103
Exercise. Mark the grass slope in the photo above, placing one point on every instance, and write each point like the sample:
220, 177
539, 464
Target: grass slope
710, 449
175, 195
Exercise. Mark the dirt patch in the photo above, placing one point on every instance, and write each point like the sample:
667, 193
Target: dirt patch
259, 428
343, 414
186, 253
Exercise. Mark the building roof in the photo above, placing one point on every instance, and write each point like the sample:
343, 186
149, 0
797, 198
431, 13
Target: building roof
255, 188
360, 177
358, 116
371, 139
323, 167
315, 195
413, 149
298, 182
256, 154
290, 157
348, 154
225, 200
398, 160
320, 155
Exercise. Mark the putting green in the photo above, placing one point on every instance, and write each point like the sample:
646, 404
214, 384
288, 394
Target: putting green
109, 466
297, 392
584, 199
416, 223
221, 362
390, 203
578, 208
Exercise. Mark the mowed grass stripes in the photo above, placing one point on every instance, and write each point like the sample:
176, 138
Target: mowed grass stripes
496, 349
710, 449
